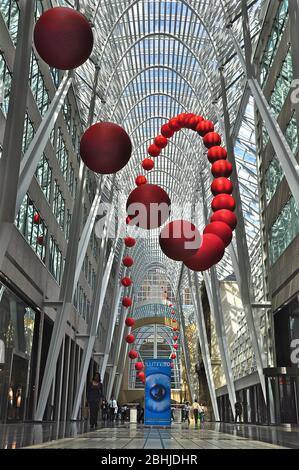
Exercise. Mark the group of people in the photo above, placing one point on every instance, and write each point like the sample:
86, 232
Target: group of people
196, 411
110, 411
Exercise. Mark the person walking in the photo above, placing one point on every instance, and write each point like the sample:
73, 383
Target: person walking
187, 409
238, 411
93, 396
196, 410
202, 414
105, 410
112, 409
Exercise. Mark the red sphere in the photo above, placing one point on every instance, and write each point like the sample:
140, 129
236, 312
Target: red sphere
173, 356
173, 312
166, 131
173, 320
175, 328
141, 376
36, 218
179, 240
175, 338
130, 242
128, 261
153, 150
174, 124
181, 118
150, 205
221, 185
212, 139
130, 321
148, 164
217, 153
176, 346
210, 253
133, 354
40, 240
203, 127
105, 148
222, 231
223, 201
139, 365
222, 168
127, 302
130, 338
140, 180
161, 141
126, 281
63, 38
226, 216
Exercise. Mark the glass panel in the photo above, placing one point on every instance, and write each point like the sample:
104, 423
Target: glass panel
284, 230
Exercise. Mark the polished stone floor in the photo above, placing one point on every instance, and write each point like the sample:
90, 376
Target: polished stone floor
129, 436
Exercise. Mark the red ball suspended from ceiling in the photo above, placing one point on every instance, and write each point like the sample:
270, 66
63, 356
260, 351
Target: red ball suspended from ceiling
141, 376
222, 231
210, 253
226, 216
223, 201
221, 185
130, 338
175, 328
130, 321
161, 141
126, 281
148, 164
36, 218
139, 366
176, 346
133, 354
204, 127
153, 150
149, 205
174, 124
212, 139
217, 153
105, 148
175, 338
166, 131
127, 302
222, 168
173, 356
63, 38
130, 242
128, 261
180, 240
140, 180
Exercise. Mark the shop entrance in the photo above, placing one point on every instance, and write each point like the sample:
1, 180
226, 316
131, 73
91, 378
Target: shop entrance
17, 390
283, 383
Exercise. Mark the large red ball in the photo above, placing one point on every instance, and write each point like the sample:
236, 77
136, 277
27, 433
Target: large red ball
148, 164
128, 261
141, 376
203, 127
212, 139
179, 240
140, 180
223, 201
222, 168
173, 356
166, 131
105, 148
130, 338
130, 242
161, 141
176, 346
133, 354
175, 328
221, 185
217, 153
175, 338
153, 150
174, 124
127, 302
150, 205
181, 118
63, 38
130, 321
126, 281
210, 253
226, 216
222, 231
139, 365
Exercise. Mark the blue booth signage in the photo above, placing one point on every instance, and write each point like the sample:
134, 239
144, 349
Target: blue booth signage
157, 409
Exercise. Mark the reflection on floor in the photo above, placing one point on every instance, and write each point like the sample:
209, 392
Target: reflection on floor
129, 436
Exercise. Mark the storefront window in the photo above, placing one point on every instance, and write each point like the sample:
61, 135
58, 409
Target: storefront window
17, 323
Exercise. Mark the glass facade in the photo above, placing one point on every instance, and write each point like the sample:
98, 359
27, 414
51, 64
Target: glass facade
284, 230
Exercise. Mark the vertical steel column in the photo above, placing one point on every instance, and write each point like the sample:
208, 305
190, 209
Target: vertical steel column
294, 33
114, 310
203, 340
185, 347
212, 286
14, 128
243, 268
67, 284
119, 341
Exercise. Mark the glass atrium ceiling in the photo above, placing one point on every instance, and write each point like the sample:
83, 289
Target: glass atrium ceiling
157, 59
